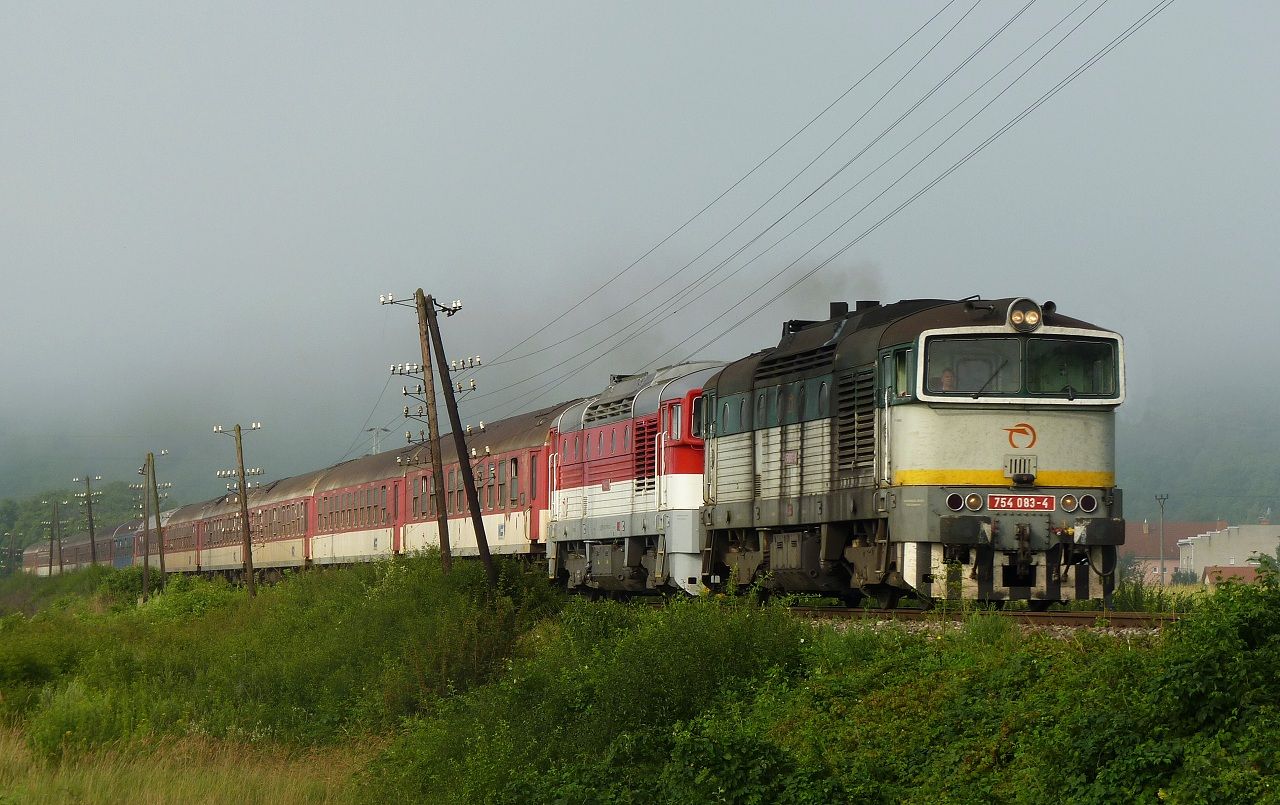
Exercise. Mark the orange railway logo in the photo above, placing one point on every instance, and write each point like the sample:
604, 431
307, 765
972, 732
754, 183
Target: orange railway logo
1020, 433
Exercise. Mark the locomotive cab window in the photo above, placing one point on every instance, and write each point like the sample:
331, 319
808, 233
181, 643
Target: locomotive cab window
1027, 366
990, 366
1071, 366
896, 374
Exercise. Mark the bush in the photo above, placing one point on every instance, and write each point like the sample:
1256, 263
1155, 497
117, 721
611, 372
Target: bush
598, 690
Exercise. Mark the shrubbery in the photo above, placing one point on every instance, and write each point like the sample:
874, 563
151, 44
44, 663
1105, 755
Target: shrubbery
705, 702
523, 697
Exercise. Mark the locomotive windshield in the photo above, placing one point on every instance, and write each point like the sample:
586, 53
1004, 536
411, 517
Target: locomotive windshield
1021, 366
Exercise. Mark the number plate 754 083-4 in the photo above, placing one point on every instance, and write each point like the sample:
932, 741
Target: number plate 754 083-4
1022, 503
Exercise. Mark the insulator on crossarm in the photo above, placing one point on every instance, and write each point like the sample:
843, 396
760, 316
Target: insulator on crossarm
421, 410
468, 430
406, 411
408, 437
473, 384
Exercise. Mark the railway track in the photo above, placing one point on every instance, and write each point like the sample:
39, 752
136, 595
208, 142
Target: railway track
1078, 620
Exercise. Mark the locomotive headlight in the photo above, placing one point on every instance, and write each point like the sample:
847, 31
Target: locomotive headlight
973, 502
1069, 503
1024, 315
955, 502
1088, 503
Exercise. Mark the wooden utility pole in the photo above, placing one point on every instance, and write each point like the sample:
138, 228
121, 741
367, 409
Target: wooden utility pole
146, 543
155, 498
433, 430
57, 519
464, 460
244, 517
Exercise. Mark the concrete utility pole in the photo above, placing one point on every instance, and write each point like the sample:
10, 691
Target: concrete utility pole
242, 490
53, 518
1161, 499
464, 461
88, 494
423, 303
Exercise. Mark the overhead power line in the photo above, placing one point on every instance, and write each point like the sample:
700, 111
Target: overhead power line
1106, 49
1102, 52
500, 358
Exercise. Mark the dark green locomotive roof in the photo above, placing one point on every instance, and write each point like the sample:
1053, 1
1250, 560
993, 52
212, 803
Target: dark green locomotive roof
854, 338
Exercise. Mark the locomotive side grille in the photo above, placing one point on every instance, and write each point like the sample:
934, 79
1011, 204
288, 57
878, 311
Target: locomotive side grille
855, 424
789, 364
644, 456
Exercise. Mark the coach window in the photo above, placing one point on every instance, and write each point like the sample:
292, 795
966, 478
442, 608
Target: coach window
533, 477
502, 484
383, 505
515, 484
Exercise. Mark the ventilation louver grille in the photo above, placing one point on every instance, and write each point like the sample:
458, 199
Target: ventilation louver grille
775, 366
644, 456
615, 409
856, 425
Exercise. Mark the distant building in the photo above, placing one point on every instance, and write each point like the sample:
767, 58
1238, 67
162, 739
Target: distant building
1216, 574
1142, 543
1232, 546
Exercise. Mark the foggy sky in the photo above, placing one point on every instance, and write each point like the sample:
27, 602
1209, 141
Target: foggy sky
200, 203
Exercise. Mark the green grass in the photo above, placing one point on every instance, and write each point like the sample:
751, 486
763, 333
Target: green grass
189, 769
